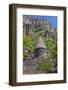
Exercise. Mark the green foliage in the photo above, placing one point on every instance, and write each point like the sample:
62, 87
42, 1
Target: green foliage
52, 47
37, 29
44, 67
28, 42
29, 45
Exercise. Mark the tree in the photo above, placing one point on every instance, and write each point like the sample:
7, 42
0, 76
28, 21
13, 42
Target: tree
52, 47
28, 42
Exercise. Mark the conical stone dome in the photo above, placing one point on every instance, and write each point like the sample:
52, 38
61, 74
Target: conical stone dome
40, 43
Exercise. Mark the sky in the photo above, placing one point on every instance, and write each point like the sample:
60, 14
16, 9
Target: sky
52, 19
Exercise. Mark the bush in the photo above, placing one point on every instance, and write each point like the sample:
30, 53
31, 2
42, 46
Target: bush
37, 29
44, 67
28, 42
52, 47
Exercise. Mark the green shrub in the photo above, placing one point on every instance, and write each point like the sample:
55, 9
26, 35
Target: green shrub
37, 29
52, 47
44, 67
28, 42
